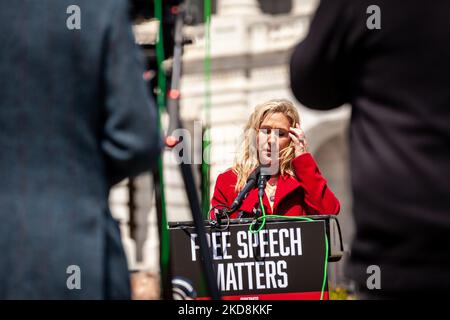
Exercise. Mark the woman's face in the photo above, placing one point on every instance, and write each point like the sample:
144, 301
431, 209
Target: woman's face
273, 136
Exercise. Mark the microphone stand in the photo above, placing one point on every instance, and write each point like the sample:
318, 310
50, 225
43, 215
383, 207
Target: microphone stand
173, 108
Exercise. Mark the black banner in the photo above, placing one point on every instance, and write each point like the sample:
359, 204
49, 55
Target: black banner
285, 261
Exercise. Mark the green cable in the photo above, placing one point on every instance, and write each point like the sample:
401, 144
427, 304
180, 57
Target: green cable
161, 102
206, 142
161, 87
264, 217
206, 139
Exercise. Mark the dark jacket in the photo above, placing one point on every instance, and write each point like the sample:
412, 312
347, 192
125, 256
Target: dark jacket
306, 193
75, 118
397, 79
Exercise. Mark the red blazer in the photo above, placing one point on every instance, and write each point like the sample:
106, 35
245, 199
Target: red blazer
305, 194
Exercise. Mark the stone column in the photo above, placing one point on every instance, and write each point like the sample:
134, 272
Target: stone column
150, 249
118, 199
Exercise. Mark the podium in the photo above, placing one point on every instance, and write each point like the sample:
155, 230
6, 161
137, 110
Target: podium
286, 260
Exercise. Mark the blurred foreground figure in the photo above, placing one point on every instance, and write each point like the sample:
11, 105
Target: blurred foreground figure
75, 118
397, 79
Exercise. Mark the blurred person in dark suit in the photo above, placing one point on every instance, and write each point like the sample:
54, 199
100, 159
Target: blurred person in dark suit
394, 70
75, 119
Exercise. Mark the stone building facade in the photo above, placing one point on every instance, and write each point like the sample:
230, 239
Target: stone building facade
250, 46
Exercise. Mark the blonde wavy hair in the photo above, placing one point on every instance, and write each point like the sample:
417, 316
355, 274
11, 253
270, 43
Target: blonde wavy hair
247, 157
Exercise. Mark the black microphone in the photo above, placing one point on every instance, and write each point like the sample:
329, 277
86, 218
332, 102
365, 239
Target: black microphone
251, 183
262, 181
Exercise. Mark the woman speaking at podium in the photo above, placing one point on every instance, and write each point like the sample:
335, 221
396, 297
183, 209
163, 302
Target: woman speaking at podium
274, 140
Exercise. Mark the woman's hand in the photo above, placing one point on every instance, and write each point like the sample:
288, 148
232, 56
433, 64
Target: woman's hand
298, 138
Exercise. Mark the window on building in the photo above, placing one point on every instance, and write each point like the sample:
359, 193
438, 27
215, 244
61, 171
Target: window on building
275, 7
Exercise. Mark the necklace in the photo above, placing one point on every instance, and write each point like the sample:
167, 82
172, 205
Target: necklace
270, 190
